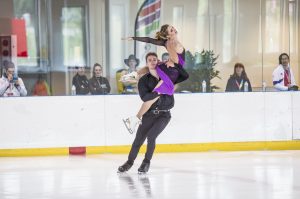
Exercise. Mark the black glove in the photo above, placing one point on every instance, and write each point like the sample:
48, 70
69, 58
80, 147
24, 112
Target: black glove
293, 88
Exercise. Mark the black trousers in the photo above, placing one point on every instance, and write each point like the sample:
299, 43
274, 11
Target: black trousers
152, 125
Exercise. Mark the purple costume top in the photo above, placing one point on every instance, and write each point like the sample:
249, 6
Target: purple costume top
169, 75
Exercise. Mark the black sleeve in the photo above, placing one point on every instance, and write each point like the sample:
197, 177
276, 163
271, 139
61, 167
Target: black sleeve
249, 87
150, 40
144, 91
228, 86
107, 85
75, 82
183, 75
91, 87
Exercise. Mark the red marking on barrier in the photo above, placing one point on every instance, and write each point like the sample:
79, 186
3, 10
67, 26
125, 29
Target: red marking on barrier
77, 150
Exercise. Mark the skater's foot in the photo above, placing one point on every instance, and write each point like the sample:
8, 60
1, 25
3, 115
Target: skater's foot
144, 167
132, 124
125, 167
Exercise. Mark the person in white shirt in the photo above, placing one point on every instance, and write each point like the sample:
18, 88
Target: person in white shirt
283, 77
10, 84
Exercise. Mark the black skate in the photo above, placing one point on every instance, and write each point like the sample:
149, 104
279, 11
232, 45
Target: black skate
125, 167
144, 168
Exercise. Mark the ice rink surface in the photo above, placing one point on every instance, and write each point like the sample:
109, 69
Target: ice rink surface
209, 175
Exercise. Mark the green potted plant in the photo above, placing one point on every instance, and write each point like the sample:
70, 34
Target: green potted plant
200, 66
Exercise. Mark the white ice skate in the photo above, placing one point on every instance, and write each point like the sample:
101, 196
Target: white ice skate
132, 124
130, 76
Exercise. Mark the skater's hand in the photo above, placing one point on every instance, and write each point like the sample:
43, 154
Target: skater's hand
127, 38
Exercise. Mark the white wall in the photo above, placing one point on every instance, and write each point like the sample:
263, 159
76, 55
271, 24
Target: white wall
34, 122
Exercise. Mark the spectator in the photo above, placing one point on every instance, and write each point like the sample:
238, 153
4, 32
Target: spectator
10, 83
98, 84
129, 81
81, 82
165, 57
283, 77
132, 62
119, 74
41, 88
237, 81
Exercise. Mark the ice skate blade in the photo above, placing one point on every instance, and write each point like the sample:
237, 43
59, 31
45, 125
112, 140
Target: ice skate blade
142, 173
129, 129
121, 172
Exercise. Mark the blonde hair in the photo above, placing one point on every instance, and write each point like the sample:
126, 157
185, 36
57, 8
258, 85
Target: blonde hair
163, 33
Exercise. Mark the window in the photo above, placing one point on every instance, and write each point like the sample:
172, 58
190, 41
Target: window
26, 9
73, 27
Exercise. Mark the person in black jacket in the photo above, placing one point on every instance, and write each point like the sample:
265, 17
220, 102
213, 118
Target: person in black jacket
98, 84
158, 116
81, 82
237, 81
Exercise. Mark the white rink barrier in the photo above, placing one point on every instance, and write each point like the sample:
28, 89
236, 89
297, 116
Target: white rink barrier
67, 121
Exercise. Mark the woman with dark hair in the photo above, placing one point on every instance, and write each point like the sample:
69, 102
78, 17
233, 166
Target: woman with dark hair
237, 81
167, 37
98, 84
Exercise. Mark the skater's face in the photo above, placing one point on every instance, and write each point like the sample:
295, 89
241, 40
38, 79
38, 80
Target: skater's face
152, 61
98, 71
172, 31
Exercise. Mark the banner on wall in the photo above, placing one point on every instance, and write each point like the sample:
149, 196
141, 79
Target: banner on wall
19, 29
146, 25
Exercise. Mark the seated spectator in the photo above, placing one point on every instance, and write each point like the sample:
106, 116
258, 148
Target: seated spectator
120, 86
10, 83
130, 84
283, 77
41, 88
237, 81
165, 57
132, 62
98, 84
81, 82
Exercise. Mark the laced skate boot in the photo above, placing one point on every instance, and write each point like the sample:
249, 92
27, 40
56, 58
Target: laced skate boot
132, 124
125, 167
143, 169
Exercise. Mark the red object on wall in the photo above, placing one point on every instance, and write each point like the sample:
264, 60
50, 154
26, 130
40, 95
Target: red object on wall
19, 29
77, 150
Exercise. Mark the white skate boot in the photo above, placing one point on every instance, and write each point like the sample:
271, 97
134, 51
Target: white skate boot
131, 76
132, 124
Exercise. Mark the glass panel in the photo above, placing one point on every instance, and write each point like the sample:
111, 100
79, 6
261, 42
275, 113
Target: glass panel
272, 35
72, 30
26, 9
235, 37
253, 33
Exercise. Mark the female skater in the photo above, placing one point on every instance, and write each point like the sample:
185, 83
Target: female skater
167, 37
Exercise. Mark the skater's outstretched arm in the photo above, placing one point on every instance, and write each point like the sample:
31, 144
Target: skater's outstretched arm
157, 42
